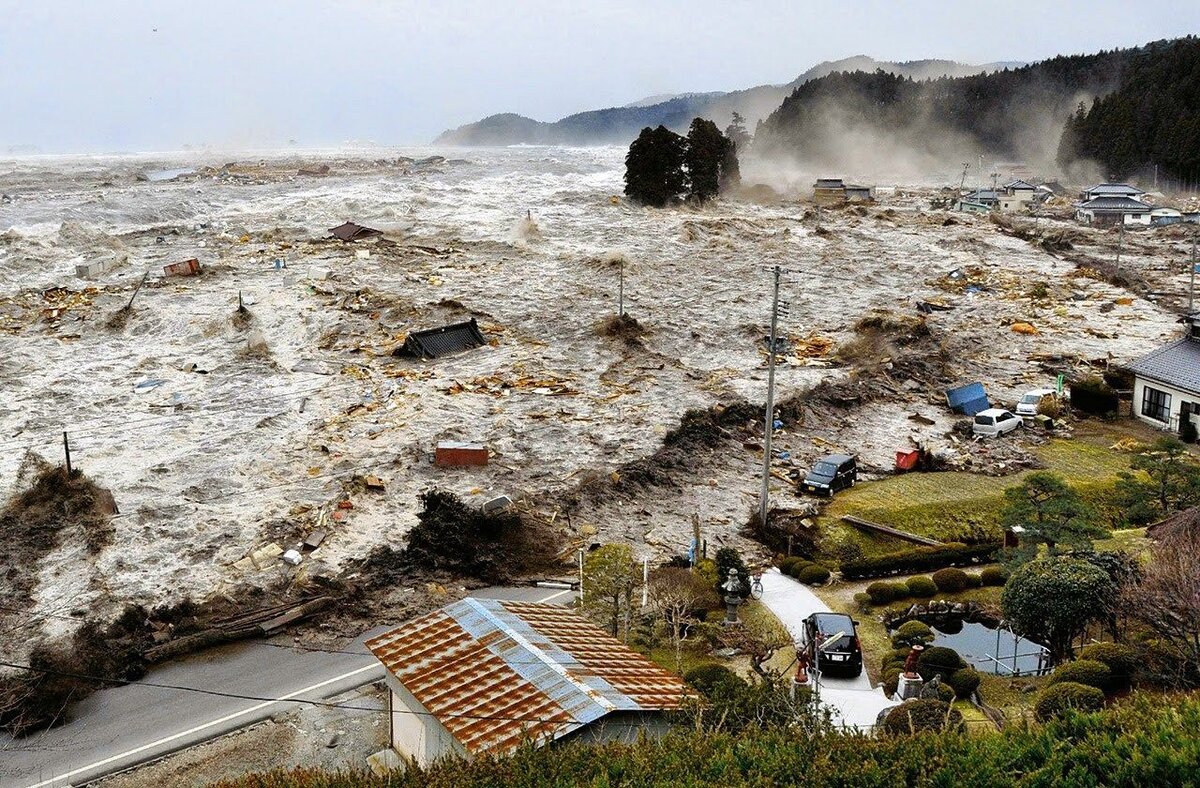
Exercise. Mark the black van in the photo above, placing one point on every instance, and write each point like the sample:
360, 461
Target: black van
831, 473
842, 656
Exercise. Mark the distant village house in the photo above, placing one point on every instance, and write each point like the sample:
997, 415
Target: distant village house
832, 191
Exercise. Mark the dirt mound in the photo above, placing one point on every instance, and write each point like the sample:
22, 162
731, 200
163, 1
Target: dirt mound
622, 327
32, 522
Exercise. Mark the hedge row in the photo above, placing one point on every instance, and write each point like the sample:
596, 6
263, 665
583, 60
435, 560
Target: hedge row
920, 559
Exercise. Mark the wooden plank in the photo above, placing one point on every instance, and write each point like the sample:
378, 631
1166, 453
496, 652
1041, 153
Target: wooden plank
858, 522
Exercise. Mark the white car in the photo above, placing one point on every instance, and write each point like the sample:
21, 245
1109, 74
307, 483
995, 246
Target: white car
1028, 406
995, 421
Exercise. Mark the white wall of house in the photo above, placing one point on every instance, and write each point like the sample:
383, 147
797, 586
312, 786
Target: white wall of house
418, 737
1178, 397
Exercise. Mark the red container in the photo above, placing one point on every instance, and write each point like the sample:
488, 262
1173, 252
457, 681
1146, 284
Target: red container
907, 460
454, 453
186, 268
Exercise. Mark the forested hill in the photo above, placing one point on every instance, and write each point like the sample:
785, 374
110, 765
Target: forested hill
843, 119
619, 125
1153, 117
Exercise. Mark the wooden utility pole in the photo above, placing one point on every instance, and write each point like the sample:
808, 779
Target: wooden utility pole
1192, 280
67, 452
769, 419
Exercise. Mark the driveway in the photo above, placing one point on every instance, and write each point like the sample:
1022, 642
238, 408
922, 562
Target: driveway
854, 703
115, 729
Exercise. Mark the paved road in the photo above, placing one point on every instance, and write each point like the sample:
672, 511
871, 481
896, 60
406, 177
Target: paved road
854, 702
117, 728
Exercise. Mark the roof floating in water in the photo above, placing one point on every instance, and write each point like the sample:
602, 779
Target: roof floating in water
967, 400
437, 342
353, 232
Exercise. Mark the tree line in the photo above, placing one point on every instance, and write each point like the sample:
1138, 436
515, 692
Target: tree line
663, 166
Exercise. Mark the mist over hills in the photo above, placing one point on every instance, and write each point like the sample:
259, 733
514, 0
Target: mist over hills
619, 125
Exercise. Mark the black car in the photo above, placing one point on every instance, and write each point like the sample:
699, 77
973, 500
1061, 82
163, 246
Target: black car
842, 656
831, 473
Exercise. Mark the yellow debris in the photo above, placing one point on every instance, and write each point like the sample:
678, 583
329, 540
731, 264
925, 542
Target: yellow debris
1023, 328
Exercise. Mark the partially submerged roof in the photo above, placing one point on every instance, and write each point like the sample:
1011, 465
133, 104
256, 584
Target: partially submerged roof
1176, 364
353, 232
437, 342
496, 673
1111, 203
829, 183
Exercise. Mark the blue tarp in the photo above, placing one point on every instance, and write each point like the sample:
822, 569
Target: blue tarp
968, 400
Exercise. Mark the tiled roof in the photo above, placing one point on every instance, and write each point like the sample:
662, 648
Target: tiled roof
436, 342
1176, 364
1114, 189
1123, 204
497, 673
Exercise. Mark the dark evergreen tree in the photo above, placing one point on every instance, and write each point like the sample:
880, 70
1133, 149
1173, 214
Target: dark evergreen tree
736, 132
711, 160
654, 167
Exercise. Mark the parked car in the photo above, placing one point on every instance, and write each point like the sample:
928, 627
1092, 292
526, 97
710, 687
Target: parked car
831, 473
832, 644
1032, 400
995, 421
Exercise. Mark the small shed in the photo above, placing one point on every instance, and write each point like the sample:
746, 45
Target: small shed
484, 676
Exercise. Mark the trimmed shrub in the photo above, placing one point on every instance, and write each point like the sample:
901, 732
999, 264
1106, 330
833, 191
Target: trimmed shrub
891, 681
863, 601
921, 587
939, 660
994, 575
706, 678
1057, 699
786, 564
911, 633
895, 658
1084, 671
919, 559
813, 574
796, 567
882, 593
964, 682
921, 715
974, 581
1121, 660
950, 580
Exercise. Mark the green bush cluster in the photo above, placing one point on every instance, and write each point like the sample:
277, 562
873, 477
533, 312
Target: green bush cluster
921, 587
881, 593
950, 580
922, 715
919, 559
1084, 671
994, 576
801, 569
1054, 701
1120, 659
964, 682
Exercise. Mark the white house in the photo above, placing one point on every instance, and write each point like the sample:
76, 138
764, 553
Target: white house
485, 676
1166, 384
1111, 190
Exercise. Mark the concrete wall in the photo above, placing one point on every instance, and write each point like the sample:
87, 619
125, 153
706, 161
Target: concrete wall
1178, 397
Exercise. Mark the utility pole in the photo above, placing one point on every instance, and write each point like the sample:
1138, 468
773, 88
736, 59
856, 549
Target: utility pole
769, 419
1120, 241
621, 290
67, 451
963, 180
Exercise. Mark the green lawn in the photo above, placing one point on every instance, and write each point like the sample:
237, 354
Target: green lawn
952, 505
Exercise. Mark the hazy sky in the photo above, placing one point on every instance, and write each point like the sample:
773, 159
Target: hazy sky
107, 75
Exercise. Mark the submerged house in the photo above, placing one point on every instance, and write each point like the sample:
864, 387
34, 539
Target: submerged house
484, 676
830, 191
1166, 383
349, 232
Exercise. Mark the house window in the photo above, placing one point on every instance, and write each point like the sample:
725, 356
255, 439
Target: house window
1156, 404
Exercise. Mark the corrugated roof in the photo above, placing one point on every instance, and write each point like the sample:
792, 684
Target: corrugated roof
437, 342
496, 673
1176, 364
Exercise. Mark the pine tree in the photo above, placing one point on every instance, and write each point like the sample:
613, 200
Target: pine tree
654, 167
711, 161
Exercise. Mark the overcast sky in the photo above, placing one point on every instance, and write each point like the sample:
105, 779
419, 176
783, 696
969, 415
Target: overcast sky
106, 75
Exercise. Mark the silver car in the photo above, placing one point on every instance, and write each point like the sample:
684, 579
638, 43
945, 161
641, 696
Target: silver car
995, 421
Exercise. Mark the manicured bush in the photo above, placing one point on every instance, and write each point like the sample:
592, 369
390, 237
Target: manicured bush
939, 660
921, 715
974, 580
795, 567
911, 633
863, 600
813, 574
1057, 699
964, 682
921, 587
881, 593
994, 575
786, 564
1083, 671
950, 580
708, 677
919, 559
1121, 660
895, 658
891, 681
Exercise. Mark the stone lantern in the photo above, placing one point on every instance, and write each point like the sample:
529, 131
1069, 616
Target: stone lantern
733, 597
